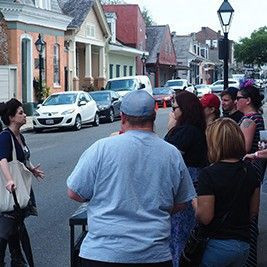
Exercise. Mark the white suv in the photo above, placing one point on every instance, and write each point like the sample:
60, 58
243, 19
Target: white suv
217, 87
124, 85
66, 109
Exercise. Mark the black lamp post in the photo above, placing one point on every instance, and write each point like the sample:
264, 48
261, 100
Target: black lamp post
225, 14
40, 48
143, 59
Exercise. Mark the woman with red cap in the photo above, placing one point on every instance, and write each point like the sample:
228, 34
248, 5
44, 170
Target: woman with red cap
211, 104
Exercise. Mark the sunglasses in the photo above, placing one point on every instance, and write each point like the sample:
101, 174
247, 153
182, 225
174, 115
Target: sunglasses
174, 108
240, 97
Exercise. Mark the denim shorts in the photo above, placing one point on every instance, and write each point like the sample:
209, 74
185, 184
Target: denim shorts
222, 253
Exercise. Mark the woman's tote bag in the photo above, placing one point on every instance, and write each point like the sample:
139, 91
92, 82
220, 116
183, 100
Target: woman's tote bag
23, 180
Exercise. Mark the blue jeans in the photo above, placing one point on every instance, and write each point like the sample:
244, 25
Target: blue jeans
224, 253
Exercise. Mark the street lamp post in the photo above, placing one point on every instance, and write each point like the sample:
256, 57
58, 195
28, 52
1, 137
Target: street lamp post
39, 44
143, 59
225, 14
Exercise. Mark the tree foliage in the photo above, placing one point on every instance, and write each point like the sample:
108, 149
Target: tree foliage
147, 18
253, 50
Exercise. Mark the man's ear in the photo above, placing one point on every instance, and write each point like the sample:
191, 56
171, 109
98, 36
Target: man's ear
248, 100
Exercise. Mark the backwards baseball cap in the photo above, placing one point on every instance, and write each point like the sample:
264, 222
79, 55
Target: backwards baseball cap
138, 103
211, 101
232, 91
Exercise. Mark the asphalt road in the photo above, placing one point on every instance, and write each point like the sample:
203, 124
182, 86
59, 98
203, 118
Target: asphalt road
58, 152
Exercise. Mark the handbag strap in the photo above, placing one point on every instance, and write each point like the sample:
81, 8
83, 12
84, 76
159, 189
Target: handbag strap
14, 153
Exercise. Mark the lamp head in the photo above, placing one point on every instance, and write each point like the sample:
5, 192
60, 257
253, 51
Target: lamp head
225, 14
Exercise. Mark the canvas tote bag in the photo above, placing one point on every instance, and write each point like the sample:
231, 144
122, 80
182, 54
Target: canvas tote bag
23, 180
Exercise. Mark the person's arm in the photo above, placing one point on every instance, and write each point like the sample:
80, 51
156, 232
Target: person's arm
72, 195
185, 191
36, 171
6, 172
260, 154
254, 203
248, 127
205, 209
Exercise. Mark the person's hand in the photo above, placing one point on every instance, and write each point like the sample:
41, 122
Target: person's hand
37, 172
10, 186
250, 156
172, 121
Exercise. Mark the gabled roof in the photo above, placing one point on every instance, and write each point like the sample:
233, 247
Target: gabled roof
182, 45
155, 35
78, 9
207, 33
54, 4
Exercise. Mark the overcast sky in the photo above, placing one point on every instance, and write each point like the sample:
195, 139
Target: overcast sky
186, 16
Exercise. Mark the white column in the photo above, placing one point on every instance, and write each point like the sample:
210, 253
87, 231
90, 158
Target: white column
88, 61
102, 62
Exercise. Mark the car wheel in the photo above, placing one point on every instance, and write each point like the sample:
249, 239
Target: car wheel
111, 115
96, 120
78, 123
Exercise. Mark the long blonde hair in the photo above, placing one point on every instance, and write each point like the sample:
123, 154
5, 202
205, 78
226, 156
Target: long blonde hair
225, 140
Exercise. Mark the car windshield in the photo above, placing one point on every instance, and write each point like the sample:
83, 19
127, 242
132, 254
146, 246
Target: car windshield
100, 96
218, 83
121, 85
161, 91
60, 99
174, 83
199, 86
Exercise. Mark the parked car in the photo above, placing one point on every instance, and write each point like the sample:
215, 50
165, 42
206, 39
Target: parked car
124, 85
108, 103
161, 94
179, 84
66, 109
191, 88
202, 89
217, 87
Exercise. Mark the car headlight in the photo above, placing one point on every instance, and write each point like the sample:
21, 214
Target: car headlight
167, 98
103, 107
69, 111
36, 114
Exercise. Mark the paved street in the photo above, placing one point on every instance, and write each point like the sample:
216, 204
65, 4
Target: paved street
58, 152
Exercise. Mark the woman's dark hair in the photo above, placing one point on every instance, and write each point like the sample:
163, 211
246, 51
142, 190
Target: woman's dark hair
9, 109
192, 110
254, 94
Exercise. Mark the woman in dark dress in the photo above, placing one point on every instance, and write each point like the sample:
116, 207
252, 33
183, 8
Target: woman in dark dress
228, 196
186, 132
13, 117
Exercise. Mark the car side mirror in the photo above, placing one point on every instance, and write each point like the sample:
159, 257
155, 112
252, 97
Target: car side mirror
114, 99
142, 86
82, 103
39, 105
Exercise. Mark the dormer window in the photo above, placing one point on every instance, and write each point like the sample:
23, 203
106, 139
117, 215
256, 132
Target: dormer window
44, 4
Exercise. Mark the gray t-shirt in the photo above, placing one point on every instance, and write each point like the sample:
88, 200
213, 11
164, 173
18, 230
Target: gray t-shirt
131, 181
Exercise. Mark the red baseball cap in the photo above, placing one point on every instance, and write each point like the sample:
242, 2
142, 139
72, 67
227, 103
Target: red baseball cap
211, 101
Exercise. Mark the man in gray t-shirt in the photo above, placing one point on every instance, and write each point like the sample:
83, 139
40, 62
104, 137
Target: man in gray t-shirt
132, 183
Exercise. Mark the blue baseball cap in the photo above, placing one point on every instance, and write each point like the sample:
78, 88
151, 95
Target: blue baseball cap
138, 103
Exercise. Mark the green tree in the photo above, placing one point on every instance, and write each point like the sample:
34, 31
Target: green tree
253, 50
147, 18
